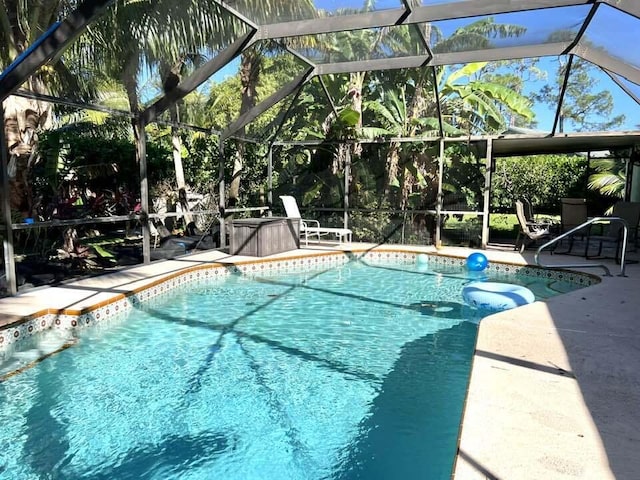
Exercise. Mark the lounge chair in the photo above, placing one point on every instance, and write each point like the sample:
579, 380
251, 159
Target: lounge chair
613, 232
529, 232
168, 245
312, 227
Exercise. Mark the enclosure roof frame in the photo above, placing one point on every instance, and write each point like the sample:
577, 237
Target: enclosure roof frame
61, 34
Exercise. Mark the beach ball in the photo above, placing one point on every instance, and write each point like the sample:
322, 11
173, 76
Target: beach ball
476, 262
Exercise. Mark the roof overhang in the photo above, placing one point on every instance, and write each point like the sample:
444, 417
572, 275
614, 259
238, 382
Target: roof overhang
513, 145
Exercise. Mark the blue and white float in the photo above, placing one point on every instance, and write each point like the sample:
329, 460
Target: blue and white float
495, 296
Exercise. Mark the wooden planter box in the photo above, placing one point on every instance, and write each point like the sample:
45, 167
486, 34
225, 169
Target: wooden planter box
259, 237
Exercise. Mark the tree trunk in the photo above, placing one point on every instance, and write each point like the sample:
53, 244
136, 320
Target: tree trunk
129, 75
416, 110
176, 144
393, 160
250, 66
24, 118
355, 92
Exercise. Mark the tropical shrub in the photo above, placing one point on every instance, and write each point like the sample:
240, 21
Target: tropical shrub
544, 179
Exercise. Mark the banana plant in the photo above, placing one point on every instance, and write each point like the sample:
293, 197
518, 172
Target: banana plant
404, 170
477, 106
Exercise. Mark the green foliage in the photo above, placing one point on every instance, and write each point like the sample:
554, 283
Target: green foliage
344, 125
463, 180
308, 176
224, 103
609, 178
254, 172
372, 226
199, 156
201, 164
544, 179
90, 156
225, 98
477, 106
503, 225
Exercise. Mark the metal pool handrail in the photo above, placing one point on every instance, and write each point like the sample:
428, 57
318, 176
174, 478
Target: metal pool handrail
555, 240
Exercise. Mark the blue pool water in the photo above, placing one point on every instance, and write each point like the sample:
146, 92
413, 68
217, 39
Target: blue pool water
359, 372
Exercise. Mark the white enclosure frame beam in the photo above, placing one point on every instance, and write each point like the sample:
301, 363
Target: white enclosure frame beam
612, 64
442, 59
632, 7
402, 16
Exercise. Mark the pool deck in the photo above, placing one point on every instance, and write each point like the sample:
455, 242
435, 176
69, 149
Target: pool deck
555, 386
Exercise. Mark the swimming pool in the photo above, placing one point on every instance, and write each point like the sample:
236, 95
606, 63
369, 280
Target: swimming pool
358, 371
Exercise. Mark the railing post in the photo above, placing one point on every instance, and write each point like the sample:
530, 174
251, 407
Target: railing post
438, 240
623, 253
487, 194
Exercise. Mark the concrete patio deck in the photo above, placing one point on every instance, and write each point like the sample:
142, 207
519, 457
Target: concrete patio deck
555, 385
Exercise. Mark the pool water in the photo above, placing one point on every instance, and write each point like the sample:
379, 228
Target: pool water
355, 372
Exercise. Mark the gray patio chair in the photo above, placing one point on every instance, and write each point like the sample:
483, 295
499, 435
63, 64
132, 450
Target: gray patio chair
528, 210
530, 215
573, 213
530, 232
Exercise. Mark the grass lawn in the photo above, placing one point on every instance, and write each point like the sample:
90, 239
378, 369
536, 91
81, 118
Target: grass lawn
502, 226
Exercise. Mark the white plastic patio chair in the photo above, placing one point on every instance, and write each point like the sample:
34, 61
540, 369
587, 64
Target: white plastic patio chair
312, 227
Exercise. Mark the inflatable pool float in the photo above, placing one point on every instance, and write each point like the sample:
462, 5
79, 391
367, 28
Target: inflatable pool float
496, 296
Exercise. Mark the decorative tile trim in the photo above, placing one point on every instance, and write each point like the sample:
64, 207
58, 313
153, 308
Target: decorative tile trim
70, 319
570, 276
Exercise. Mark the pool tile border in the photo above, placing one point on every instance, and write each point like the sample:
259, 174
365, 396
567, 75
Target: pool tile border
70, 318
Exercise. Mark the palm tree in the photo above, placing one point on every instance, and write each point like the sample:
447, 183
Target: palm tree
403, 111
610, 177
171, 75
136, 40
469, 104
125, 44
251, 66
21, 24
